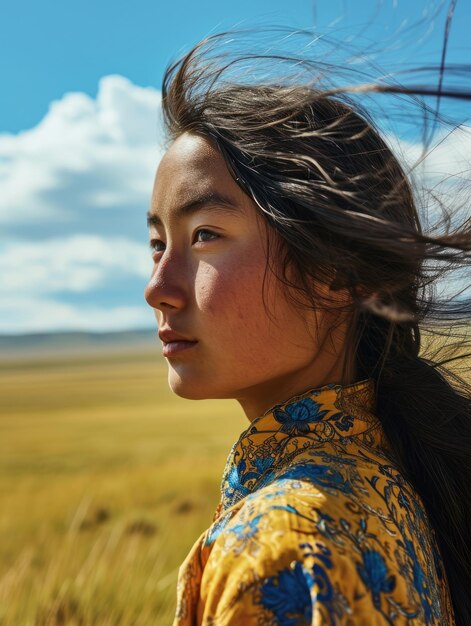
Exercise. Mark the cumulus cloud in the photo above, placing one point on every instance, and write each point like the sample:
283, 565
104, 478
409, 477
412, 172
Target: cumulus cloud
74, 191
446, 163
24, 314
76, 264
87, 167
441, 177
82, 282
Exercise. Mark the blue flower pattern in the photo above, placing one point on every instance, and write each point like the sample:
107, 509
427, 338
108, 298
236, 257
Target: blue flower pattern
296, 417
374, 574
287, 595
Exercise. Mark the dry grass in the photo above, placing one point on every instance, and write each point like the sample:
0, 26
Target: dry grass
107, 478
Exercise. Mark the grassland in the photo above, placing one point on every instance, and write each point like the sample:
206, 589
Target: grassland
106, 480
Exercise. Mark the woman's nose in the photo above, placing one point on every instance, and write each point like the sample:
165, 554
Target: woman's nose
166, 286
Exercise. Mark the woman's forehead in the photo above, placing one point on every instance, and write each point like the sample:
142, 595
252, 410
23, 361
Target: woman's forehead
190, 150
193, 166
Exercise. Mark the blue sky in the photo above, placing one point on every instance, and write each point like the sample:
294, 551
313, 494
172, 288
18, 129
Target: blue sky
80, 77
51, 47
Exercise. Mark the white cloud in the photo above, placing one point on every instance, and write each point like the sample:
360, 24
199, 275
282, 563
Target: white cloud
76, 264
88, 162
22, 314
442, 175
74, 192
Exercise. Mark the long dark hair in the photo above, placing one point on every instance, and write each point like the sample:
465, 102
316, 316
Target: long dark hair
343, 212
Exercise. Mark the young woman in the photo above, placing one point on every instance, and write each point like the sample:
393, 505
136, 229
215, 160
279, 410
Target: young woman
290, 273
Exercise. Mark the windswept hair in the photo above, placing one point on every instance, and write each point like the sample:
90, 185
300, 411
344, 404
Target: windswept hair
343, 211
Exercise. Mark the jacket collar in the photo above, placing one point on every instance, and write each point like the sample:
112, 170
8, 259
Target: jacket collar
318, 416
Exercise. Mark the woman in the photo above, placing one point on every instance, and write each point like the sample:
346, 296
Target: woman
289, 273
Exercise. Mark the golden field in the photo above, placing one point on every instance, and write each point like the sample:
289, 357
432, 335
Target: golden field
107, 478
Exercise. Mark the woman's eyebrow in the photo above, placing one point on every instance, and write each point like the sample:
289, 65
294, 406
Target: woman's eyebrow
213, 201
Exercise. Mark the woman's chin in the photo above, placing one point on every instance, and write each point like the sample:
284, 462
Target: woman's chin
186, 386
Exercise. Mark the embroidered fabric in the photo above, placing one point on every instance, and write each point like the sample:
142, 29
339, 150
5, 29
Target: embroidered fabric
315, 526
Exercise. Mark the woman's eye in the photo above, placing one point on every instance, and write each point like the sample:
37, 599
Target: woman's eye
153, 243
205, 230
156, 242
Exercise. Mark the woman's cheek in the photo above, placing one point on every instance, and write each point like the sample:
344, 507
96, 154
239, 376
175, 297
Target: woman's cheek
220, 286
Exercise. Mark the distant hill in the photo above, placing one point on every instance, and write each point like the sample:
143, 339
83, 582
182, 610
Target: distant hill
30, 344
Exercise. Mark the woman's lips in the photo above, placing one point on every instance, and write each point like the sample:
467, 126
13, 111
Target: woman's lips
174, 347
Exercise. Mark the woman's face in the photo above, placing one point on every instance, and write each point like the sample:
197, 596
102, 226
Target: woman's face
206, 284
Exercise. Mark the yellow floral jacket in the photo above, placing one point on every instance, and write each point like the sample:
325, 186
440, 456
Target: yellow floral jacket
315, 526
